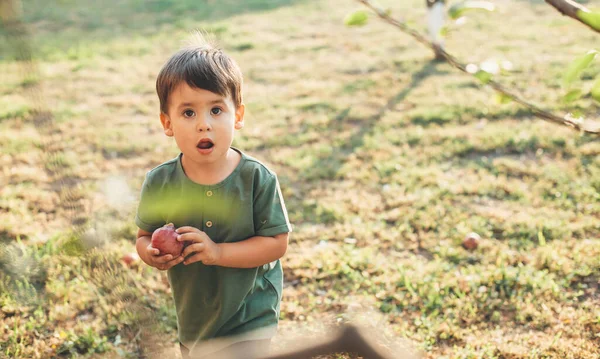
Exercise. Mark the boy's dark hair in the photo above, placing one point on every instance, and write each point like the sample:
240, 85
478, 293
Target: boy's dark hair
200, 65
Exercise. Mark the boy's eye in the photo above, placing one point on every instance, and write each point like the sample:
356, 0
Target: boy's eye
188, 113
216, 111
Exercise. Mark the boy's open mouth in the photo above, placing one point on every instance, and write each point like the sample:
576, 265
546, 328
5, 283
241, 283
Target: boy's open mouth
205, 144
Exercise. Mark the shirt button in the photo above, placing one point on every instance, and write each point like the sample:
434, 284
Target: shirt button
208, 224
208, 193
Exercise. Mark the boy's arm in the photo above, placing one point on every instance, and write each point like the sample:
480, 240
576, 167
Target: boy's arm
142, 243
253, 252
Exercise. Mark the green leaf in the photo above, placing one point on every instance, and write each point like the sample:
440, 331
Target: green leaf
590, 18
357, 18
572, 95
483, 76
595, 92
457, 10
444, 31
577, 114
502, 98
577, 66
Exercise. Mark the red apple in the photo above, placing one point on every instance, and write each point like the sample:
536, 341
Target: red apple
130, 258
471, 241
165, 240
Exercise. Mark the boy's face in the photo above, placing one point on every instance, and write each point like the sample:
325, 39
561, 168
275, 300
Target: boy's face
202, 123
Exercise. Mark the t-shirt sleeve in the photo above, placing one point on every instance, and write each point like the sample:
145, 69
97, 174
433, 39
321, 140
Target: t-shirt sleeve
148, 216
270, 215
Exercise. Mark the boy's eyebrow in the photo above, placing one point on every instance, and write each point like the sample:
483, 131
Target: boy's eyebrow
213, 102
185, 104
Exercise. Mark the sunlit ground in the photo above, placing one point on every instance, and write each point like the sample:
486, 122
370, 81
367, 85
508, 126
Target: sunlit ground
386, 159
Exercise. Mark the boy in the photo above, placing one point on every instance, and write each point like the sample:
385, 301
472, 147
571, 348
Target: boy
226, 206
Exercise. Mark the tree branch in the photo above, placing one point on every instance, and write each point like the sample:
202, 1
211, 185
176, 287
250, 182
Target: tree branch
576, 123
571, 9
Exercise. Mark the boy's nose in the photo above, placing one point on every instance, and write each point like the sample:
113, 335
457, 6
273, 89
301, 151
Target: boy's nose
202, 124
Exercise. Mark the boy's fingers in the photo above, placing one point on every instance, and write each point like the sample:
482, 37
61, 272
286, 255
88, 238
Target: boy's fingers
196, 247
163, 259
195, 258
192, 237
152, 250
170, 264
174, 262
186, 229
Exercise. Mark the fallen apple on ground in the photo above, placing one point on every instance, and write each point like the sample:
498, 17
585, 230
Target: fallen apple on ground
471, 241
165, 240
130, 258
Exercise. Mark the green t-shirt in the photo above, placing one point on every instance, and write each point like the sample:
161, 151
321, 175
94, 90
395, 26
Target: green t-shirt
215, 301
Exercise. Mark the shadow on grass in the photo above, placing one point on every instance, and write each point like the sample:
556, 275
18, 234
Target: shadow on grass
61, 24
464, 115
327, 167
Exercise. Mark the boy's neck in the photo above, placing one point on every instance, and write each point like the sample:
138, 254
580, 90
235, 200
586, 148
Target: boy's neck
211, 173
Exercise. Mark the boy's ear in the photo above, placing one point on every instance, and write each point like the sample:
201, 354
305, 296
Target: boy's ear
239, 117
166, 122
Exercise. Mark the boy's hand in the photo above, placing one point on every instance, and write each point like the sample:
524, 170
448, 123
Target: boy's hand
163, 262
206, 251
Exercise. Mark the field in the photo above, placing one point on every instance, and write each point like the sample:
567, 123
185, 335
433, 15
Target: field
386, 158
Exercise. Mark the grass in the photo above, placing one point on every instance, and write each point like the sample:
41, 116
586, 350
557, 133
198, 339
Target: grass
387, 160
